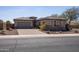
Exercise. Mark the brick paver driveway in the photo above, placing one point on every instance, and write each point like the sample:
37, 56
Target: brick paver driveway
29, 31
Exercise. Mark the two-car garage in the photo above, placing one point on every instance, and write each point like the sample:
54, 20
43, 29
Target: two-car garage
24, 23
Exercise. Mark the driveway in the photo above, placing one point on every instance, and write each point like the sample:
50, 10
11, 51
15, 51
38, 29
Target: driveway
29, 31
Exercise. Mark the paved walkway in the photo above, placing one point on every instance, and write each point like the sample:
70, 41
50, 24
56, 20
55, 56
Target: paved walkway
29, 31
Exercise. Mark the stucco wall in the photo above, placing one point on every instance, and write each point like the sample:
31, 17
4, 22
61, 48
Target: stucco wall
55, 24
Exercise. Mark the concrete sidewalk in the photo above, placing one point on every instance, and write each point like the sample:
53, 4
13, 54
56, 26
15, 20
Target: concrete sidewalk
39, 35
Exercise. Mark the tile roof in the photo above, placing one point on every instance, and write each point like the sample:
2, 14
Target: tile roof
23, 18
51, 17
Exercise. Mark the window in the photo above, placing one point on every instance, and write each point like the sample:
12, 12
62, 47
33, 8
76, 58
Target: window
54, 23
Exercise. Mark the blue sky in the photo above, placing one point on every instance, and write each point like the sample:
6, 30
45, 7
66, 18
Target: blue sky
11, 12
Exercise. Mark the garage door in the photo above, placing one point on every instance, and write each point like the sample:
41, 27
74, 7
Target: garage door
24, 25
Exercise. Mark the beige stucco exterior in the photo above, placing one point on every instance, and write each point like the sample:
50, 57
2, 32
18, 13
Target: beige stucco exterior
54, 24
1, 24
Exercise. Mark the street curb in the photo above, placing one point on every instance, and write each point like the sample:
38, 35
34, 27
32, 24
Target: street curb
44, 35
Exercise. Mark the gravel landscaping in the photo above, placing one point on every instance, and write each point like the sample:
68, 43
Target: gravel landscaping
73, 31
9, 32
35, 32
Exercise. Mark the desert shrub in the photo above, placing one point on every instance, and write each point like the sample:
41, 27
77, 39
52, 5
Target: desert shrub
76, 31
2, 32
43, 26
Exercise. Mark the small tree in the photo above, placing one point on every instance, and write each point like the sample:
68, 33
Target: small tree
8, 25
71, 14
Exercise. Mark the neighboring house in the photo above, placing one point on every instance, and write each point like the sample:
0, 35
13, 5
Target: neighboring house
1, 24
54, 23
74, 24
25, 22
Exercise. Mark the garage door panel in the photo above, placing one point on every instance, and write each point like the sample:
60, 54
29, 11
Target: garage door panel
24, 25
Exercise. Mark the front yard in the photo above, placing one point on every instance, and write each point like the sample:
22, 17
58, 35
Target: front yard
73, 31
35, 32
9, 32
1, 32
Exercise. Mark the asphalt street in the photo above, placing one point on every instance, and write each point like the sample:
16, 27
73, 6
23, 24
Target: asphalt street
40, 44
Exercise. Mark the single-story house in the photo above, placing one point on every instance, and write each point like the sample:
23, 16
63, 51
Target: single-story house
54, 23
25, 22
1, 24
